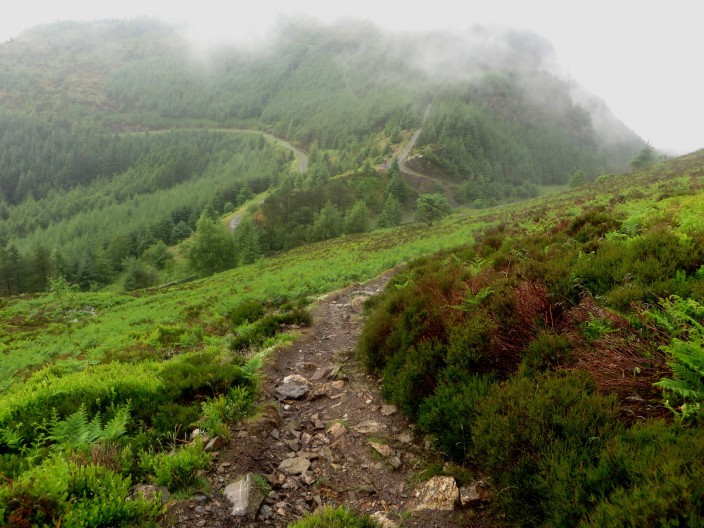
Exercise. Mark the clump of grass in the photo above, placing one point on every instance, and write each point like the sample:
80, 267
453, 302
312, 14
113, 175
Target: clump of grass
334, 518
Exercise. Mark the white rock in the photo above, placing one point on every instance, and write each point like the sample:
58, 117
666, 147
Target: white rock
438, 494
245, 495
370, 427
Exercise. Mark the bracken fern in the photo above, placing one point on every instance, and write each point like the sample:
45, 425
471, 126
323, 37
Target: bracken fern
682, 319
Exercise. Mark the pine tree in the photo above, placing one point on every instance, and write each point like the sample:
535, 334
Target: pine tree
41, 268
328, 223
644, 159
358, 218
12, 270
248, 241
431, 207
578, 178
213, 248
244, 195
398, 187
391, 214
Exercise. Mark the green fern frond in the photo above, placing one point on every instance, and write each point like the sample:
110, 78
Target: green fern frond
76, 430
116, 427
687, 355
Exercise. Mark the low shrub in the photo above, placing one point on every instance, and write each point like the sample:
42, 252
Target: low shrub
334, 518
62, 492
592, 224
547, 351
178, 470
411, 375
248, 311
197, 373
223, 410
268, 326
448, 414
651, 475
521, 420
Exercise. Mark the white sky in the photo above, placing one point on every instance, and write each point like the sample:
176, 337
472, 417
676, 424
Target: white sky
643, 57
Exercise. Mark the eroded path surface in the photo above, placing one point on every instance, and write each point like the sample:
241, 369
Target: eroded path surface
337, 444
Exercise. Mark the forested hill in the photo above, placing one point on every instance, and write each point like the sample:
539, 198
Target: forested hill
328, 84
83, 169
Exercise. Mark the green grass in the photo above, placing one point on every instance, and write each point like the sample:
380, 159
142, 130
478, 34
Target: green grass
334, 518
103, 323
32, 334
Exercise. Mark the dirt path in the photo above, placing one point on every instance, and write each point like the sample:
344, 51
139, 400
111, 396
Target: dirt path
338, 444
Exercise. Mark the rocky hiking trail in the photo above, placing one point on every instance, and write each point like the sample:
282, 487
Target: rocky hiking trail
325, 437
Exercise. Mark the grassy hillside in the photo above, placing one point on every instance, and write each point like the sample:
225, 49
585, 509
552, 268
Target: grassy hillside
556, 288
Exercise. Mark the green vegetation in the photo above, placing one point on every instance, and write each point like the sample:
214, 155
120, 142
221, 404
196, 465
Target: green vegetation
554, 352
504, 136
553, 344
334, 518
145, 141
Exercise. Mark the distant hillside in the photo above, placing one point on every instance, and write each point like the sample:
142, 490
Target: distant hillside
312, 83
80, 172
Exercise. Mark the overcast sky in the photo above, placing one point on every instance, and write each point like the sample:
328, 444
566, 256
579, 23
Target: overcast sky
643, 57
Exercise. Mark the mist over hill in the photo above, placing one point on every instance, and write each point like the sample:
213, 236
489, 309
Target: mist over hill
78, 101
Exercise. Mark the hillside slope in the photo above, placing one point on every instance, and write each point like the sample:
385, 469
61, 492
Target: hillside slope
561, 350
577, 269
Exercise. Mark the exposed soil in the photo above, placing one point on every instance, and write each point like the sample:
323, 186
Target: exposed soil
333, 428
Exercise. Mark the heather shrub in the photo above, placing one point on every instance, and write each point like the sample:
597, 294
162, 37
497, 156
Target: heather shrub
547, 351
448, 413
411, 375
248, 311
521, 420
471, 343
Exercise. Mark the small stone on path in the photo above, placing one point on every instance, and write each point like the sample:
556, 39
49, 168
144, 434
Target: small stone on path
295, 465
382, 449
337, 430
293, 387
370, 427
388, 410
438, 494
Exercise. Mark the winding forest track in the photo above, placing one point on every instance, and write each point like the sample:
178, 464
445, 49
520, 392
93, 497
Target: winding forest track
407, 171
301, 156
